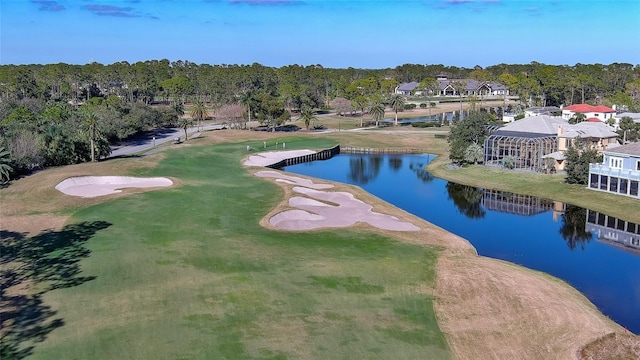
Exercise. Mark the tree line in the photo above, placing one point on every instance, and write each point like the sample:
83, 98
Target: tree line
58, 114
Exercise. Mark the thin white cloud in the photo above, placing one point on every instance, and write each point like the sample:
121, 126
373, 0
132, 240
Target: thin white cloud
48, 5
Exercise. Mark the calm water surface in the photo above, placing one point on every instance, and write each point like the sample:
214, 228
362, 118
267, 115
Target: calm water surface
521, 229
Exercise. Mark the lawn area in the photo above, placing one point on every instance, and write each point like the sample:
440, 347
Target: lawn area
188, 273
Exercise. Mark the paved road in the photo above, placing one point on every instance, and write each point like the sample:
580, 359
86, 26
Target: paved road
147, 142
154, 138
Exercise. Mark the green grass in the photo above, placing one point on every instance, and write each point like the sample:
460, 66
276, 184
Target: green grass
188, 273
542, 185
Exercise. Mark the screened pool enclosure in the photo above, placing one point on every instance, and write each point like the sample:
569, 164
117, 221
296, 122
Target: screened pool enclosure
526, 149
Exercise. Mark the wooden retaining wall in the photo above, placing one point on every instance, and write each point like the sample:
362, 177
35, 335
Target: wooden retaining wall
320, 155
364, 150
329, 153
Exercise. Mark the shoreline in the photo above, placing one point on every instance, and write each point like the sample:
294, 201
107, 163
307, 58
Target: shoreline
460, 285
467, 287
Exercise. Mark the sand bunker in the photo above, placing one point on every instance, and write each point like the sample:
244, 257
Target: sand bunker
321, 209
272, 157
94, 186
292, 180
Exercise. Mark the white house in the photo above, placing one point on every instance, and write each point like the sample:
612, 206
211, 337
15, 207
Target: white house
407, 89
600, 112
634, 116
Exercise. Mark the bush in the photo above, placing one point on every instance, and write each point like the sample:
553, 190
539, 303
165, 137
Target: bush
409, 106
423, 106
509, 162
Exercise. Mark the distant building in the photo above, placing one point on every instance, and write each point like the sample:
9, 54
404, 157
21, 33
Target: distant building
447, 88
617, 117
600, 112
407, 89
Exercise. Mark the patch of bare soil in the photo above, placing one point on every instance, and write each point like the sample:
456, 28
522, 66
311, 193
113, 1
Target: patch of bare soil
615, 346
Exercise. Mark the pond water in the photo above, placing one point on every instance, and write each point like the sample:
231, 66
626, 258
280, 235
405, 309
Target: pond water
596, 254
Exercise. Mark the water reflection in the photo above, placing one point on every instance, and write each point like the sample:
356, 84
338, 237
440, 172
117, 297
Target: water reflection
420, 169
515, 203
582, 247
395, 162
467, 199
364, 168
613, 231
573, 229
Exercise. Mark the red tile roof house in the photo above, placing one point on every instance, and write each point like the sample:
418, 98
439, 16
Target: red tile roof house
592, 113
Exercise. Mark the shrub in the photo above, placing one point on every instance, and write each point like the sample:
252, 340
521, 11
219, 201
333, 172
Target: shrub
509, 162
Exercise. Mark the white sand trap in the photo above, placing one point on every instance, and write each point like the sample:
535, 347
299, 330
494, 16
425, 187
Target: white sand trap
293, 180
321, 209
94, 186
272, 157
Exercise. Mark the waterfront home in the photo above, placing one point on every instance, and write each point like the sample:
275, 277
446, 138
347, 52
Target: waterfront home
619, 172
531, 140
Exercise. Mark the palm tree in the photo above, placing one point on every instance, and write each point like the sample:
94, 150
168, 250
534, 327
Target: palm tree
247, 99
5, 169
91, 120
473, 154
199, 112
396, 102
307, 115
184, 124
359, 103
377, 111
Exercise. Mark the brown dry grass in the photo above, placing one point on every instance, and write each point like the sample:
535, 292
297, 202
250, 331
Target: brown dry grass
488, 309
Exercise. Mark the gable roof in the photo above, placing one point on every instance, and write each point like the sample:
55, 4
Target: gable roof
408, 86
634, 116
629, 149
539, 124
586, 108
586, 129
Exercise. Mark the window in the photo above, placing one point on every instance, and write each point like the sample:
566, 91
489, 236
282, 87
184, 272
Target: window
623, 186
638, 165
615, 162
633, 188
594, 181
604, 181
613, 184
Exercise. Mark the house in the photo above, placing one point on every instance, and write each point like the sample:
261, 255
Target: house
407, 89
619, 172
599, 112
472, 87
447, 88
532, 140
540, 110
617, 117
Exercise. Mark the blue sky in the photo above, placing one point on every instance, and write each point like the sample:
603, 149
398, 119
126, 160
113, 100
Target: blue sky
358, 33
